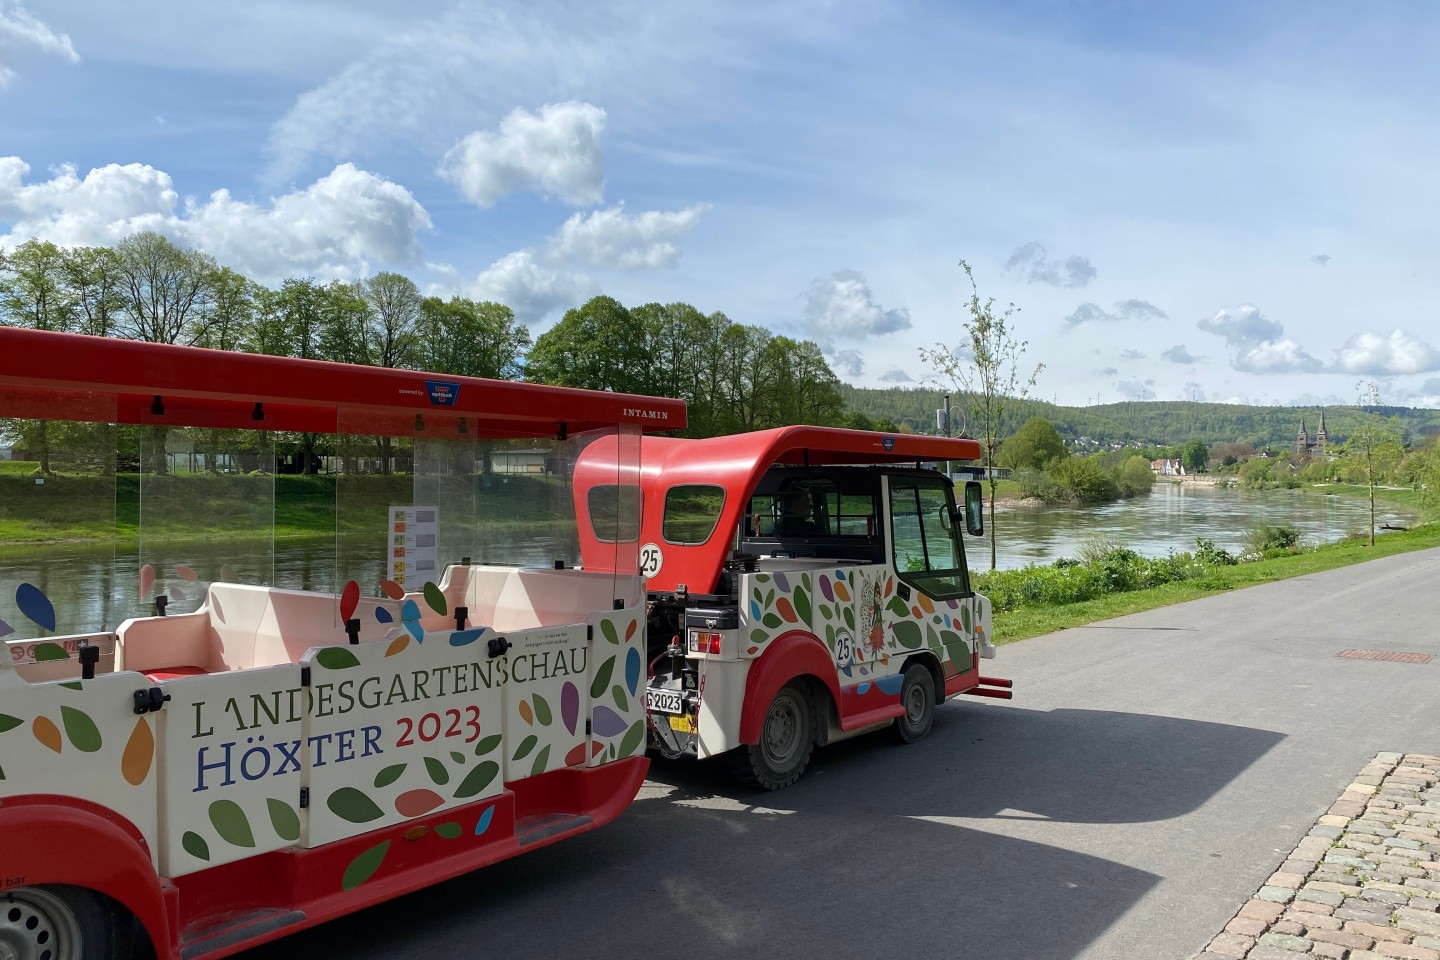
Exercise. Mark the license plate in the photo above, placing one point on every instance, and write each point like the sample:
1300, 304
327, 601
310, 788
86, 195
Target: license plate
682, 724
664, 701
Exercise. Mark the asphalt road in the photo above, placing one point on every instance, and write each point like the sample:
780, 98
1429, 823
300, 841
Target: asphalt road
1151, 772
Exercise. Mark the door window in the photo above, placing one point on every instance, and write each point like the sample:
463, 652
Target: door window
926, 550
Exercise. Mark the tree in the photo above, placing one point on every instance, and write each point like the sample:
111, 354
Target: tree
92, 275
167, 293
391, 335
597, 346
986, 373
1370, 443
1195, 456
1035, 444
1135, 477
471, 339
33, 292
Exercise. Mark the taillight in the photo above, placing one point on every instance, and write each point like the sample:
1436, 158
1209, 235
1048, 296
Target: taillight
702, 641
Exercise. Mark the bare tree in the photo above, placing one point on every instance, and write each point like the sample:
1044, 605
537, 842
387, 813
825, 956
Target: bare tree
1375, 433
985, 371
168, 292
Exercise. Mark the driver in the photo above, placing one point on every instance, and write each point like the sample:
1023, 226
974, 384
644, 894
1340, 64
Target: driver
796, 520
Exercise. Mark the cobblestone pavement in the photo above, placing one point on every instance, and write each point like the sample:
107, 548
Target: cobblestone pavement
1364, 884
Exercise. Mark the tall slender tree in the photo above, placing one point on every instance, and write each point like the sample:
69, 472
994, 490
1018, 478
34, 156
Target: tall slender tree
987, 372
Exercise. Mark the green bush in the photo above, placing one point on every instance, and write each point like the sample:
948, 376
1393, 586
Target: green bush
1265, 538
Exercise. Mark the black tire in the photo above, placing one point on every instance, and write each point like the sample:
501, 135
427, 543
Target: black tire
917, 694
64, 923
787, 739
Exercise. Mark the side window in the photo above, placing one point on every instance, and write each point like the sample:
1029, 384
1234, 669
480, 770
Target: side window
925, 550
691, 513
614, 512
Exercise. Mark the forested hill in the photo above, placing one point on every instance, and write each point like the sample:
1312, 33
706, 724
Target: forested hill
1148, 422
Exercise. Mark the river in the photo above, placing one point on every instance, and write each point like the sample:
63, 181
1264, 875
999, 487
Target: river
94, 585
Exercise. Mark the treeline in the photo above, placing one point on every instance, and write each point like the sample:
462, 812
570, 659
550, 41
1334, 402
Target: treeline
734, 377
1045, 470
1154, 422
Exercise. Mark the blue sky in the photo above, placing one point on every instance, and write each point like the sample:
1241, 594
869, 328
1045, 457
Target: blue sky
1218, 201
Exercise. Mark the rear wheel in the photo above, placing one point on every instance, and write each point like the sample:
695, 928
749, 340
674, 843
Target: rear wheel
917, 695
786, 742
62, 923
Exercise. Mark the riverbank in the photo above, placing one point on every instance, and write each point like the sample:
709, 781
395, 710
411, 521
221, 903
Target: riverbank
1040, 618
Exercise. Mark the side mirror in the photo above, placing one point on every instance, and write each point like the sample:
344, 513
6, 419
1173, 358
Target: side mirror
974, 508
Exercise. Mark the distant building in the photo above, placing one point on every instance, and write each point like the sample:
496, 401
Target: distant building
1168, 468
1305, 448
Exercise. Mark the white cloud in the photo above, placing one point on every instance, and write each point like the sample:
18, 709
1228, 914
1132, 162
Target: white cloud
842, 307
556, 153
1178, 354
334, 228
1136, 390
1373, 354
1141, 310
609, 238
848, 362
1257, 344
896, 375
1030, 264
532, 290
19, 29
1131, 354
1321, 259
1107, 371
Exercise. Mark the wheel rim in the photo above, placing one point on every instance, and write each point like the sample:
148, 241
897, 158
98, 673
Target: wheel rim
915, 705
781, 742
37, 925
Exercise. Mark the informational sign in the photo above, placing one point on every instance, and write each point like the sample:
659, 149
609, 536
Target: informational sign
413, 552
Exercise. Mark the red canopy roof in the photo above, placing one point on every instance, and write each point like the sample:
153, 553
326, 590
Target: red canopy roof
219, 388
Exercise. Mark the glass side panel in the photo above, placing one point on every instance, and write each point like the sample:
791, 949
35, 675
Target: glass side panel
926, 551
206, 511
59, 573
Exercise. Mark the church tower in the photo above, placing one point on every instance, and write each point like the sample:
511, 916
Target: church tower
1302, 440
1320, 437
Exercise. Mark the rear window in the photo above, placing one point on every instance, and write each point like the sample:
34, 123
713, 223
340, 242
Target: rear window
614, 512
691, 513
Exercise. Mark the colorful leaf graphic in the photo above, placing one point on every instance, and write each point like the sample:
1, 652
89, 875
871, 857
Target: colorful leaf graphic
435, 598
630, 629
231, 823
542, 711
606, 722
5, 629
47, 733
50, 651
449, 829
632, 670
617, 693
926, 603
802, 604
8, 722
771, 620
526, 713
607, 629
602, 678
409, 611
483, 823
417, 803
633, 738
458, 757
541, 759
186, 573
383, 615
349, 600
35, 605
576, 756
463, 638
363, 867
80, 729
786, 610
389, 775
570, 706
898, 607
825, 588
841, 592
351, 805
436, 769
398, 644
284, 819
525, 747
392, 589
336, 658
415, 630
965, 618
478, 779
195, 845
487, 744
907, 634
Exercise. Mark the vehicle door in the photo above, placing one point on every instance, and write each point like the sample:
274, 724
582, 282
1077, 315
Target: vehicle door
931, 605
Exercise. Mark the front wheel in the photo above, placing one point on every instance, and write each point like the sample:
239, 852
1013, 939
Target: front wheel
786, 742
62, 923
917, 695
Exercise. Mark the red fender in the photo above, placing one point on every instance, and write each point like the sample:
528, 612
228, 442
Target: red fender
789, 655
53, 839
